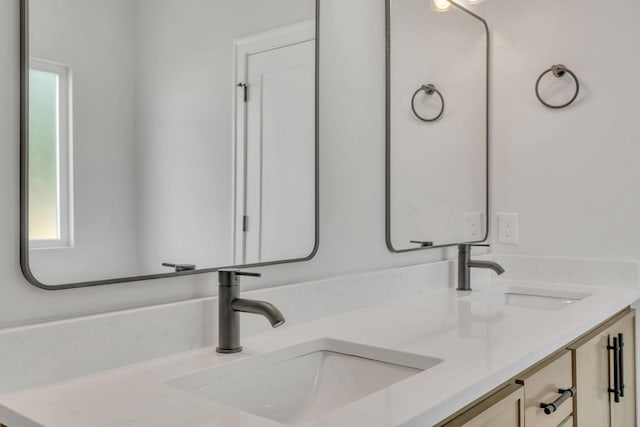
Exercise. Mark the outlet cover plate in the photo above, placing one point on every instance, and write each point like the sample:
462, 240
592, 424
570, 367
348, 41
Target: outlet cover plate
473, 230
508, 228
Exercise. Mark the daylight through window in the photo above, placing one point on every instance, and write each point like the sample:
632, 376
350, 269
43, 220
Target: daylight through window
49, 149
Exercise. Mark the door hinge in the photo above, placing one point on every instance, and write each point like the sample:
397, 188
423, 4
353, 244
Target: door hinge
246, 91
245, 223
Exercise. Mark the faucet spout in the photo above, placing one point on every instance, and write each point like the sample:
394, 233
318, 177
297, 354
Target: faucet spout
263, 308
491, 265
465, 264
230, 305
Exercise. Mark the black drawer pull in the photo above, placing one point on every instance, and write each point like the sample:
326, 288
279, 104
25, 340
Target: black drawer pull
621, 362
565, 394
617, 357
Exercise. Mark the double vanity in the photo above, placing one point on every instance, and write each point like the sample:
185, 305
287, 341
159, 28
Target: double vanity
430, 355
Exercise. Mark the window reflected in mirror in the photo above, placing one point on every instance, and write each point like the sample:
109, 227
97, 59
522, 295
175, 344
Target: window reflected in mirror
49, 119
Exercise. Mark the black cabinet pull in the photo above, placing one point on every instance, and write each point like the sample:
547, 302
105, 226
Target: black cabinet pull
621, 363
565, 394
616, 390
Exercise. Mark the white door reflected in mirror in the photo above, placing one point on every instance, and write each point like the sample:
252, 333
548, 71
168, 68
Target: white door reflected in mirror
276, 107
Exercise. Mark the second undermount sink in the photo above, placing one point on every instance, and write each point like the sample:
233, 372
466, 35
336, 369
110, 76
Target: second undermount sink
528, 297
304, 382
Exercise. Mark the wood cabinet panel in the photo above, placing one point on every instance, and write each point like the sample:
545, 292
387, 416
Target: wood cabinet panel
503, 409
591, 364
594, 375
623, 413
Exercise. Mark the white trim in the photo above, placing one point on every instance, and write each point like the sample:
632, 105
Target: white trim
274, 39
64, 154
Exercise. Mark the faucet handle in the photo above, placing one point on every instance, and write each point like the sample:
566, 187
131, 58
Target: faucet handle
230, 277
249, 274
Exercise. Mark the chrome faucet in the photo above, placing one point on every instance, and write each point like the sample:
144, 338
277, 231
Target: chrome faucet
230, 305
465, 264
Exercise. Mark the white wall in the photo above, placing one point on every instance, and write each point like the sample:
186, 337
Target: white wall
438, 169
352, 176
572, 175
184, 91
102, 62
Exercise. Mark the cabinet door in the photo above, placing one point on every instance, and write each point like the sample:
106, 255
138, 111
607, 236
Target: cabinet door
591, 377
594, 375
623, 413
503, 409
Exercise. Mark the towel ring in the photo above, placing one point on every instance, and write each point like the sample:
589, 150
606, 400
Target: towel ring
558, 71
429, 89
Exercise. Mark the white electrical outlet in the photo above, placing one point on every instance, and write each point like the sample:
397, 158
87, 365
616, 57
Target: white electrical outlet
508, 228
473, 227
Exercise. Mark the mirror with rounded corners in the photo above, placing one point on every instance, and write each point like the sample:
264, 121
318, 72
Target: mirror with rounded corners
166, 137
437, 125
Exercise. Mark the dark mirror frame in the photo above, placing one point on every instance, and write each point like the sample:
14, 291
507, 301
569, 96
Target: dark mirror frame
24, 175
388, 132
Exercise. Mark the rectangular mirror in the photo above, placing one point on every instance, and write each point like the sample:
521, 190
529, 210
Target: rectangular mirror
437, 125
176, 132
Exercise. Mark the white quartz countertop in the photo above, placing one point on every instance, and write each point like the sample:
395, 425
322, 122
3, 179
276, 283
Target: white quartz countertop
482, 346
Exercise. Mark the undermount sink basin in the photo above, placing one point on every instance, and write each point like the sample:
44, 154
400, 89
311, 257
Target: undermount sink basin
303, 382
528, 297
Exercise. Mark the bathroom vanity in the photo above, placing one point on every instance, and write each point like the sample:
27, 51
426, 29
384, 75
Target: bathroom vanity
584, 384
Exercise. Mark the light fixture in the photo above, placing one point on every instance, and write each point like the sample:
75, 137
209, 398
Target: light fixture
440, 5
474, 1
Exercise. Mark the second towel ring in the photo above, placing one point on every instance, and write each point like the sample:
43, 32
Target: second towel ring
558, 71
429, 89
